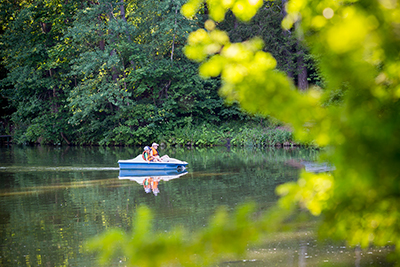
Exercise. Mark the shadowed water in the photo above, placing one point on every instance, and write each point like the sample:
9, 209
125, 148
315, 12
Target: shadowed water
54, 199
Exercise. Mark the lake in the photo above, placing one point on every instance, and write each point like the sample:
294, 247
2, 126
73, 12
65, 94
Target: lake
53, 199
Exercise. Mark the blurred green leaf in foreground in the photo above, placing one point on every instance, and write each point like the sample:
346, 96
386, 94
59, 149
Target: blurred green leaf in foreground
358, 43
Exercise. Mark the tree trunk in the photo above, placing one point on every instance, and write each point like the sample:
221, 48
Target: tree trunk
302, 81
53, 97
123, 17
113, 52
287, 44
173, 39
46, 27
65, 138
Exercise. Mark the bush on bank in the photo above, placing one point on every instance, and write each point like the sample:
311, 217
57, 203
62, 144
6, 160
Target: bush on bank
204, 135
209, 135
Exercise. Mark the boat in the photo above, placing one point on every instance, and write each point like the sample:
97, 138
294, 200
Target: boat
313, 167
139, 163
318, 167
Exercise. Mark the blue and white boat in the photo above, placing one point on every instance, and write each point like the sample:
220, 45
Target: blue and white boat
316, 167
139, 163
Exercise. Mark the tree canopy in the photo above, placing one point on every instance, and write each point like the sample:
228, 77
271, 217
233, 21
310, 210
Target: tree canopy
113, 71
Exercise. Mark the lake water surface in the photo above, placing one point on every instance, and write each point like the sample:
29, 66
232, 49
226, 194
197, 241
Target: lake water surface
53, 199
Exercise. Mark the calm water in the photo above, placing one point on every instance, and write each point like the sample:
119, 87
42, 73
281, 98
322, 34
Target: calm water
54, 199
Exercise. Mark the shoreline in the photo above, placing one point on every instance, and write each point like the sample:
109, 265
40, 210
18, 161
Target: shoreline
248, 135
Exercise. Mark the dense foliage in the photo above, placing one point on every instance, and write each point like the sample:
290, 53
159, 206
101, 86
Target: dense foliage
113, 72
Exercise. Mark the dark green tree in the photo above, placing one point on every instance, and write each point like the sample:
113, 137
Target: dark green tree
33, 85
114, 72
291, 55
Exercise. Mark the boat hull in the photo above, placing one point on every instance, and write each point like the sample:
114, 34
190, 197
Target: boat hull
151, 173
136, 164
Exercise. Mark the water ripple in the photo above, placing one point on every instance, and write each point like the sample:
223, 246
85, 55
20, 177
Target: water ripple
56, 169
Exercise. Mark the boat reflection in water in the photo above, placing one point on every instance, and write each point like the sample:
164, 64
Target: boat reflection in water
150, 179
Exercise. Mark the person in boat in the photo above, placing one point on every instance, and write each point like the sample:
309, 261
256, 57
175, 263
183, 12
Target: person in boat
147, 154
156, 155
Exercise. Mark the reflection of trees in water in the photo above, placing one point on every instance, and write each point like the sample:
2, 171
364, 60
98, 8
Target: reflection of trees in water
51, 213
